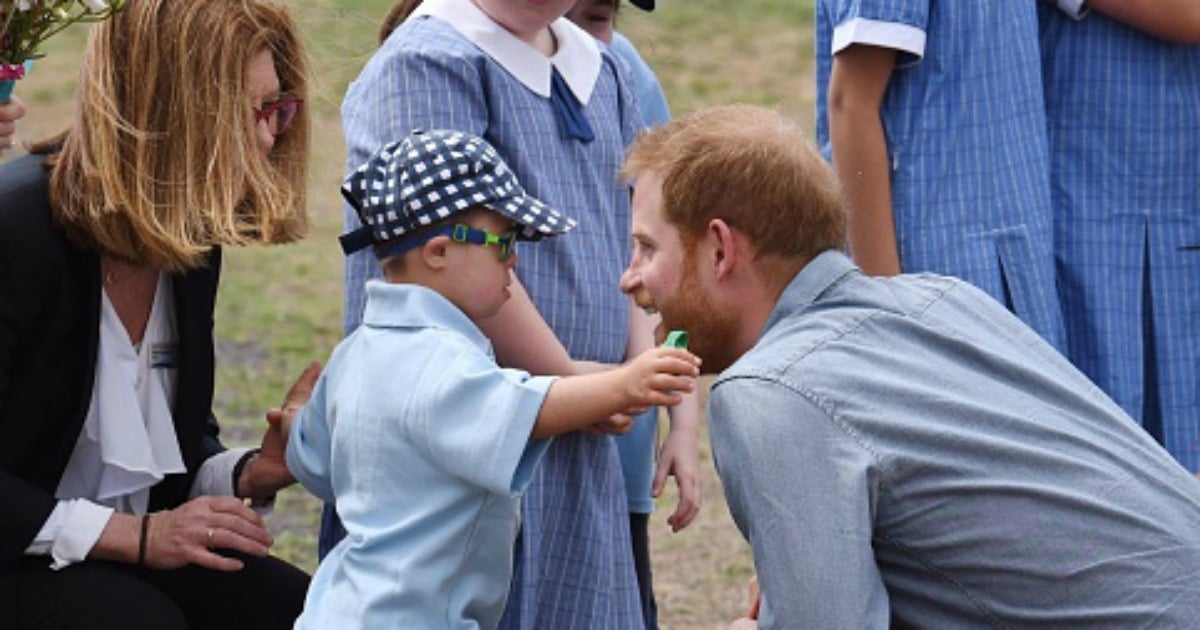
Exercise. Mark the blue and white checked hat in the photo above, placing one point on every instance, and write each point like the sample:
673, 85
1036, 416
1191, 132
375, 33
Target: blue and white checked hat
431, 175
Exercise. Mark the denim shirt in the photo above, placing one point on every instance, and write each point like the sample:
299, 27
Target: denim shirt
905, 451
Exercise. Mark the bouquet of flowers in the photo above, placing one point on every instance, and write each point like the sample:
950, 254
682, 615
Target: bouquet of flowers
25, 24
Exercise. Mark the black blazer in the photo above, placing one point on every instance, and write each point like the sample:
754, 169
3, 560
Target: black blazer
49, 331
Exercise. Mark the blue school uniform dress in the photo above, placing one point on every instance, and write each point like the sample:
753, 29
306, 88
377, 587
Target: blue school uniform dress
1124, 122
449, 66
965, 129
423, 443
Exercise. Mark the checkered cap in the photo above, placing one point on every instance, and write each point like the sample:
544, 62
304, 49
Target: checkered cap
431, 175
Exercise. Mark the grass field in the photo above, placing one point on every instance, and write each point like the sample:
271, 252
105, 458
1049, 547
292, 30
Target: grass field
281, 307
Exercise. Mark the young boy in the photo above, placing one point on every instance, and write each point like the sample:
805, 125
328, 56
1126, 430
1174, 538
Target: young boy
420, 439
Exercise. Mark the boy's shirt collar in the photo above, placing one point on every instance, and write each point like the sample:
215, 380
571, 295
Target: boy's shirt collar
578, 58
395, 305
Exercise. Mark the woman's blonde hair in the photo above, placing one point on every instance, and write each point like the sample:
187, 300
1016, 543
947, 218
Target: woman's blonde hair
162, 161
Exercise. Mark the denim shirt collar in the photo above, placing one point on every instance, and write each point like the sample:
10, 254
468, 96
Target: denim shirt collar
822, 272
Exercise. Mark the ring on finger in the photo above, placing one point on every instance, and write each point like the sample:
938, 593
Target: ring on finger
210, 538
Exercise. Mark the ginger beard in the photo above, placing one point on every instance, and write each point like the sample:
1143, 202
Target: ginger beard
690, 308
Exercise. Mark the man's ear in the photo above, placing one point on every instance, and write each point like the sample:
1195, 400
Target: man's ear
433, 252
725, 248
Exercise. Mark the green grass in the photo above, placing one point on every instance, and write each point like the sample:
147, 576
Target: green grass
281, 307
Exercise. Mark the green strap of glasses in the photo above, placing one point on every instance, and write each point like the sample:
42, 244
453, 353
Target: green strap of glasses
462, 233
459, 233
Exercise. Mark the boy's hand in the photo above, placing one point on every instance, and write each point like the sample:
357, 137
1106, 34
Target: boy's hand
657, 376
616, 424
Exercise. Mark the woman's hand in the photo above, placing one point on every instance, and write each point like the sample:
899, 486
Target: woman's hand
9, 113
267, 472
189, 533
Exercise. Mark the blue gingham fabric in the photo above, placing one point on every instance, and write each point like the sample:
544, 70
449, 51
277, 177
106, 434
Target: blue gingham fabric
429, 176
965, 128
1124, 123
574, 562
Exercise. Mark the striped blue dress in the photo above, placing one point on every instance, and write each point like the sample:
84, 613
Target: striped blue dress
1124, 121
965, 128
574, 565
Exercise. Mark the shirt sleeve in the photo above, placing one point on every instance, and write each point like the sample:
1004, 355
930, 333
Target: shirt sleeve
215, 476
310, 444
652, 103
478, 423
896, 24
802, 492
399, 90
70, 532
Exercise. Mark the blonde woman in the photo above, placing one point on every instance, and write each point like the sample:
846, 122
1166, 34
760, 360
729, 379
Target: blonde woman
122, 509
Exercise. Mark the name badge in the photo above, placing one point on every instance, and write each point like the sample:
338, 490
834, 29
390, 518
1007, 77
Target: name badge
164, 355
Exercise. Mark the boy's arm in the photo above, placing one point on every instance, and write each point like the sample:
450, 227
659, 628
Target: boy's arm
857, 84
654, 378
1176, 21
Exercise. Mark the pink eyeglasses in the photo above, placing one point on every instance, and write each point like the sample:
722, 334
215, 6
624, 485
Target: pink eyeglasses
279, 113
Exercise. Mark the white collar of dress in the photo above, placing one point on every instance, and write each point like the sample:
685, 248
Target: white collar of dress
578, 57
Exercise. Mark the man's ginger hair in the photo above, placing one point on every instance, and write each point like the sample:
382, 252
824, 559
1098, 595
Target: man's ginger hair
752, 168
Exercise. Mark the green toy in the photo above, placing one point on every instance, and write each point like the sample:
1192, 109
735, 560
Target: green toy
677, 339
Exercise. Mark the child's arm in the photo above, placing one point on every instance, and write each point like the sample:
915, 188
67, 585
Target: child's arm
680, 458
857, 84
654, 378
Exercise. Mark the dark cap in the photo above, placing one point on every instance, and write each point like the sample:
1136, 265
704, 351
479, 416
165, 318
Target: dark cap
430, 175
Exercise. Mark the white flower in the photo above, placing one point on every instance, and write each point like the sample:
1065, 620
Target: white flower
23, 5
96, 6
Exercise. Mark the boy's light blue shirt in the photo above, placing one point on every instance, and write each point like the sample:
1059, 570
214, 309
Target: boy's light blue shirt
422, 442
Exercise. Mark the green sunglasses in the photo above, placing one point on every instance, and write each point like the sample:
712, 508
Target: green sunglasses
463, 233
459, 233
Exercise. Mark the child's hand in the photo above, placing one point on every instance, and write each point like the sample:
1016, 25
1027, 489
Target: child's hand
616, 424
657, 376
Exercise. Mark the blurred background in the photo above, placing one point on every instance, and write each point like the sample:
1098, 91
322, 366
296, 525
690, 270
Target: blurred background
280, 307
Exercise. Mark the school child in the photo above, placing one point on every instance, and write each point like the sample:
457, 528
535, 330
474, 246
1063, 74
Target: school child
933, 115
1123, 110
554, 105
419, 438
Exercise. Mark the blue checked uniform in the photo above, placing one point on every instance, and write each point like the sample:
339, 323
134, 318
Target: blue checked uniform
965, 130
574, 568
1124, 122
